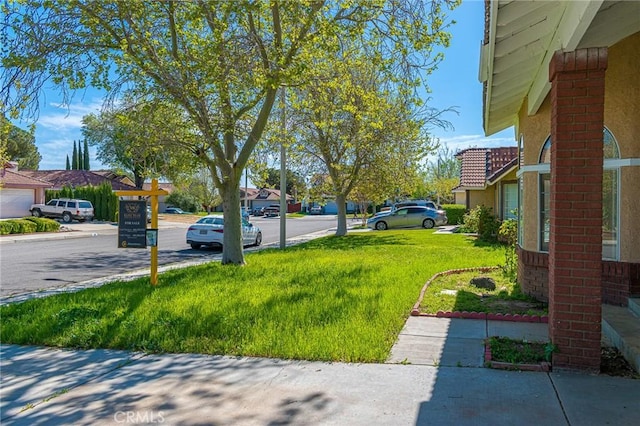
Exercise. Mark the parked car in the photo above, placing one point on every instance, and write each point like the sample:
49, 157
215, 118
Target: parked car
209, 231
258, 211
407, 217
410, 203
315, 210
65, 208
148, 214
174, 210
272, 210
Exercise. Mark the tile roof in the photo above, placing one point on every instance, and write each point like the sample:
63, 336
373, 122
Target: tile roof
75, 178
480, 165
11, 179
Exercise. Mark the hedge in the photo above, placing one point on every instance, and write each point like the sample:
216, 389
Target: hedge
455, 213
28, 225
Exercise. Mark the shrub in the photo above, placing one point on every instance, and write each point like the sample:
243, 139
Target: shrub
44, 224
508, 234
6, 227
481, 221
183, 200
22, 226
455, 213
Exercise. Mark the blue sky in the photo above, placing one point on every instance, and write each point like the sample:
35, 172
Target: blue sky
454, 84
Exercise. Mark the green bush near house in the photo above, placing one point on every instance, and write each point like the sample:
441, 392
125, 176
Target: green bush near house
44, 224
22, 226
455, 213
28, 225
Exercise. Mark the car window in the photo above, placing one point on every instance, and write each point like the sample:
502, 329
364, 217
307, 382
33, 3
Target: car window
52, 203
85, 204
71, 204
415, 210
62, 203
402, 212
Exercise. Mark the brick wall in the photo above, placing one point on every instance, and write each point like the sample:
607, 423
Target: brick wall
533, 273
620, 280
575, 256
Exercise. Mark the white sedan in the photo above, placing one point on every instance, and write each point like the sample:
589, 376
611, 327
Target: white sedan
209, 231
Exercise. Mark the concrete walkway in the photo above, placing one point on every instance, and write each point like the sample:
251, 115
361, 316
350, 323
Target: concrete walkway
43, 386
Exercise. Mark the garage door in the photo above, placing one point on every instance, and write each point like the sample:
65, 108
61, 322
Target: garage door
15, 202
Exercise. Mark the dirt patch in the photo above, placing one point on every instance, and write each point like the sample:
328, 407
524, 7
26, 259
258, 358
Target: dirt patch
612, 363
178, 218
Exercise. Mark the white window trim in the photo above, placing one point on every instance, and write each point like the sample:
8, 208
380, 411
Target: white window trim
534, 168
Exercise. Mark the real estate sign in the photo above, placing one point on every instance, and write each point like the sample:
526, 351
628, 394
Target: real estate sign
132, 224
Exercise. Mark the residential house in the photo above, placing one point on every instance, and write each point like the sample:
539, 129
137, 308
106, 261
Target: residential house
565, 75
18, 191
78, 178
488, 177
264, 197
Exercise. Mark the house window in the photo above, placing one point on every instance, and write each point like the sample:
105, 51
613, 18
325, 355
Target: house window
520, 210
509, 200
610, 197
545, 210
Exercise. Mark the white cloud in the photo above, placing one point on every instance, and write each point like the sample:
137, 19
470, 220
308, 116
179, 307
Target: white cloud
67, 117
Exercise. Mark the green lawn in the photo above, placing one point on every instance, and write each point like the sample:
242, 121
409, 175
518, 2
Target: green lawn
331, 299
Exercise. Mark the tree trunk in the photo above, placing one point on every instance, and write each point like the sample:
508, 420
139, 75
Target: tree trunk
232, 252
342, 215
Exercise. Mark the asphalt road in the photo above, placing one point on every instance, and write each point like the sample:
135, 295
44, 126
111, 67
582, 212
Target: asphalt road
28, 266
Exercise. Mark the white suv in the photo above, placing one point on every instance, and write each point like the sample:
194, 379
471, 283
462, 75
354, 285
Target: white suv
65, 208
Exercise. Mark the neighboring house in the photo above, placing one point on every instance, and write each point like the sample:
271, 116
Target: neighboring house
258, 198
565, 74
488, 177
18, 191
78, 178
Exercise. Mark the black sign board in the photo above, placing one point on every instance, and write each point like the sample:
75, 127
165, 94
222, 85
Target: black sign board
132, 224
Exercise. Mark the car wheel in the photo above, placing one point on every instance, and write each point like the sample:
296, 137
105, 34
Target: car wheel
36, 213
66, 217
195, 246
258, 239
428, 224
381, 226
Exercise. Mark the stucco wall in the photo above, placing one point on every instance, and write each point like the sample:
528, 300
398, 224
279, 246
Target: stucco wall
485, 198
622, 118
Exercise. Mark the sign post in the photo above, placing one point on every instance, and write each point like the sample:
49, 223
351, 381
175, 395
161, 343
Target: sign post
153, 193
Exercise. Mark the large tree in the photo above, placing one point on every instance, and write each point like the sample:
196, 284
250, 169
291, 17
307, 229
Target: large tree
143, 138
222, 62
361, 127
19, 145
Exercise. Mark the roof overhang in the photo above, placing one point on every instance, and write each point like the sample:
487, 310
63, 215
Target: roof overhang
522, 38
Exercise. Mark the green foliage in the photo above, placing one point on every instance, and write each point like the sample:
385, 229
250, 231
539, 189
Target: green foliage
328, 299
481, 221
44, 224
504, 349
455, 213
74, 157
508, 234
18, 145
20, 226
6, 226
184, 200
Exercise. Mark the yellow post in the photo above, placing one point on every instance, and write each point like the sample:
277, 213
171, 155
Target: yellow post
154, 225
154, 193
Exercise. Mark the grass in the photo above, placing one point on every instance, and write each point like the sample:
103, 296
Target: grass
331, 299
455, 293
504, 349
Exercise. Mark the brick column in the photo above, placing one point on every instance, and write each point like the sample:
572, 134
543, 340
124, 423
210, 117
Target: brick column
575, 245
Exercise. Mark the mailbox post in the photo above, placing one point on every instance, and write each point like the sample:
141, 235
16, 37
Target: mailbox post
153, 193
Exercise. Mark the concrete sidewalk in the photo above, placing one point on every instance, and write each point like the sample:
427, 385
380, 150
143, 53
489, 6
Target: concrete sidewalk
98, 387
